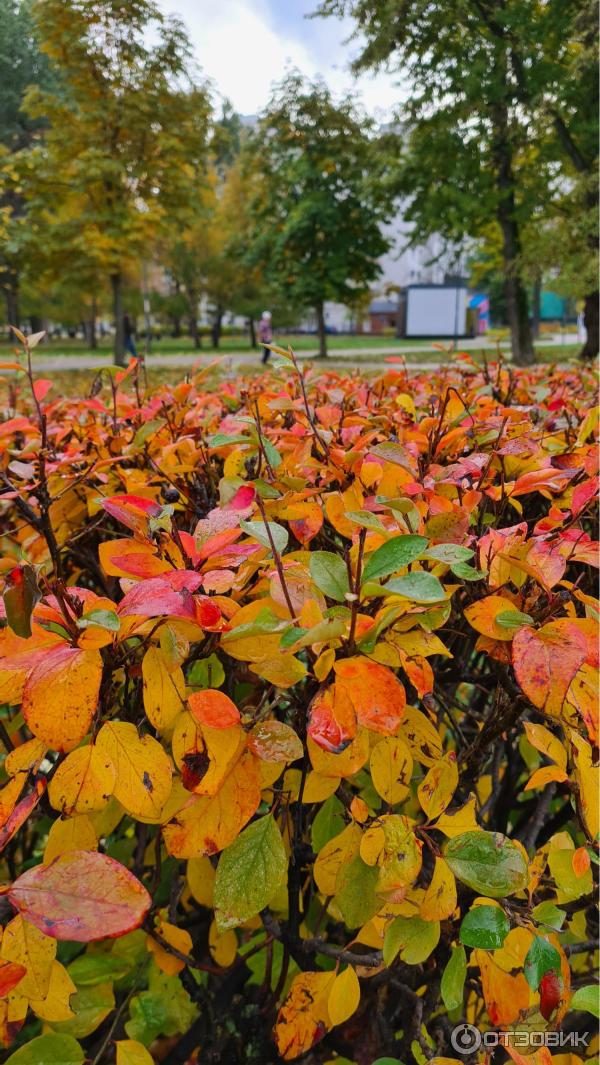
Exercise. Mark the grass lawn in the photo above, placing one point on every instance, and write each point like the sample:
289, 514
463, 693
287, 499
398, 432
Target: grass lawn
176, 346
79, 382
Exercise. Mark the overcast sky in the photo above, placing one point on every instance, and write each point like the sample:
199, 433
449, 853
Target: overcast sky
245, 45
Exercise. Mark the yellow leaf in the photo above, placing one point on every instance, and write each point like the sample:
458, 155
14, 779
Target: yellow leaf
345, 764
175, 937
482, 616
324, 664
440, 898
587, 776
164, 690
458, 821
542, 739
544, 776
143, 769
201, 879
344, 996
205, 755
130, 1052
223, 947
391, 844
70, 834
391, 769
23, 943
333, 855
83, 782
421, 736
61, 695
317, 788
54, 1006
284, 671
436, 791
24, 758
303, 1019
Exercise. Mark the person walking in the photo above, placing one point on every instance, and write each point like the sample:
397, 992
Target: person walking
265, 334
128, 335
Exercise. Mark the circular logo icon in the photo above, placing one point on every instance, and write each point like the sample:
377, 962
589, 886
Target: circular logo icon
465, 1039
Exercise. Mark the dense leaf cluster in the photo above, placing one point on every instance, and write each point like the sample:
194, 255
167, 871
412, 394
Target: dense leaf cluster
298, 679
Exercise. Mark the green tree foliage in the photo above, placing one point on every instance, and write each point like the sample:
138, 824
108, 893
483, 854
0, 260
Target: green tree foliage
315, 204
127, 134
497, 93
21, 64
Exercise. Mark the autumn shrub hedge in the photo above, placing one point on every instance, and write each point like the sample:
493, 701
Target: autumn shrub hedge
299, 713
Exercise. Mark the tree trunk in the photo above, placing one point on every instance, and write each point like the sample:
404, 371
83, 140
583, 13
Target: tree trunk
252, 332
516, 293
11, 292
537, 306
116, 281
216, 327
321, 330
93, 331
590, 320
193, 319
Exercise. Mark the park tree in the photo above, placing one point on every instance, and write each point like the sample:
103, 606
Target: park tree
128, 130
21, 64
490, 85
316, 206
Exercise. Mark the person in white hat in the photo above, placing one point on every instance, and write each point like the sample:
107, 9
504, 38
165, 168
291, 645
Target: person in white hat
265, 333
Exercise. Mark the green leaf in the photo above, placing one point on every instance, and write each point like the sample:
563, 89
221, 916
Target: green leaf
412, 937
365, 519
91, 969
258, 530
453, 979
164, 1009
104, 619
206, 673
291, 636
419, 587
586, 998
391, 556
220, 439
487, 862
512, 619
146, 431
450, 554
49, 1049
485, 926
249, 873
540, 959
330, 574
91, 1005
272, 455
550, 915
328, 823
467, 573
355, 892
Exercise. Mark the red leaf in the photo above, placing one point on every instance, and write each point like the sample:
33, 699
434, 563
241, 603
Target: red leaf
550, 991
41, 389
132, 511
82, 896
11, 973
20, 813
170, 595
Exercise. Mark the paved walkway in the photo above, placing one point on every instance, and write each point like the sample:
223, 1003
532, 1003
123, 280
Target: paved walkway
206, 355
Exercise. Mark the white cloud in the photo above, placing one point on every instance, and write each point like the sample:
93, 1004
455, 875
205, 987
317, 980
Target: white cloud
238, 48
